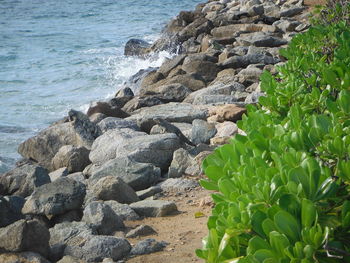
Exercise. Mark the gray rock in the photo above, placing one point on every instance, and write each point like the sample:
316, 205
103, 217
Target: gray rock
154, 208
143, 194
148, 246
261, 39
181, 160
136, 47
25, 236
142, 230
141, 102
103, 218
137, 175
244, 61
134, 82
124, 211
289, 12
114, 188
206, 69
56, 198
79, 176
202, 131
111, 123
107, 109
254, 97
175, 92
171, 112
96, 248
9, 213
125, 92
104, 147
70, 216
70, 259
178, 184
219, 99
80, 131
23, 180
27, 257
61, 172
287, 25
170, 64
74, 158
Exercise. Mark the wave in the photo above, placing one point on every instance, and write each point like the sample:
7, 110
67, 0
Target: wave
12, 129
8, 57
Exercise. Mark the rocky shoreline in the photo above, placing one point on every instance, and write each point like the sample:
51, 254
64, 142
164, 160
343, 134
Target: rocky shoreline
83, 176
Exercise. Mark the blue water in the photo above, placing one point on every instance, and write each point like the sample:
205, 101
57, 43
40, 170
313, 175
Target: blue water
57, 55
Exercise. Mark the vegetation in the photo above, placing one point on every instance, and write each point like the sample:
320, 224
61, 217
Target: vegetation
283, 192
333, 12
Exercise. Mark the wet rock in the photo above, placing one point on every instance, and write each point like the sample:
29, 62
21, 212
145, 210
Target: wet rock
55, 198
125, 92
170, 64
27, 257
134, 82
112, 123
147, 246
23, 180
229, 112
136, 47
124, 211
202, 131
114, 188
10, 210
106, 109
154, 208
143, 194
178, 184
97, 117
25, 236
142, 230
61, 172
103, 218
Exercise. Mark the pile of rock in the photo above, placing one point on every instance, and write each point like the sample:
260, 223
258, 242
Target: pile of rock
86, 174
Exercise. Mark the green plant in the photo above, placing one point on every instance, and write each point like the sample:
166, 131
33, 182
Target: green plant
333, 12
283, 191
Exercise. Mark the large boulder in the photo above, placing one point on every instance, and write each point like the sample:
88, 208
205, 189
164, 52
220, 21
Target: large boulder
168, 93
261, 39
25, 235
136, 47
56, 198
111, 123
137, 175
140, 102
206, 69
79, 131
243, 61
202, 131
134, 82
23, 180
124, 211
191, 81
154, 208
10, 210
72, 157
107, 109
170, 64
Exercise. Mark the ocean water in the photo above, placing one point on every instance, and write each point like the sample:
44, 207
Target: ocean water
58, 55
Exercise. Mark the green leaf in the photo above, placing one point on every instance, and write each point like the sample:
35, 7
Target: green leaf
279, 242
256, 243
287, 224
346, 214
209, 185
308, 213
257, 220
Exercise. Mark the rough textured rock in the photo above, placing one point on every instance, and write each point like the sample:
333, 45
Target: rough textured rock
10, 210
23, 257
206, 69
111, 123
168, 93
170, 64
202, 131
23, 180
70, 259
134, 82
147, 246
141, 102
96, 248
226, 128
142, 230
181, 160
60, 172
114, 188
70, 216
25, 236
136, 47
143, 194
103, 218
72, 157
124, 211
244, 61
80, 131
229, 112
56, 198
261, 40
137, 175
154, 208
107, 109
178, 184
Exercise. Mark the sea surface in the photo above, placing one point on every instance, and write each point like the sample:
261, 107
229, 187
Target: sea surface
58, 55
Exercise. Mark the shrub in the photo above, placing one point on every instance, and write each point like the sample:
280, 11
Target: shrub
283, 190
333, 12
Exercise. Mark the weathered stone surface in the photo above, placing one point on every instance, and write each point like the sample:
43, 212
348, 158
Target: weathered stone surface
104, 147
124, 211
147, 246
150, 79
143, 194
106, 109
206, 69
23, 257
220, 99
112, 123
25, 236
61, 172
134, 82
226, 128
229, 112
23, 180
80, 131
170, 64
114, 188
56, 198
253, 97
142, 230
232, 30
10, 210
78, 176
154, 208
178, 184
191, 81
136, 47
72, 157
287, 25
249, 75
141, 102
96, 248
70, 216
261, 39
103, 218
289, 12
70, 259
181, 160
137, 175
168, 93
202, 131
244, 61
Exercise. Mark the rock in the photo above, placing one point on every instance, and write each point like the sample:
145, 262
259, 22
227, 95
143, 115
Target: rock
206, 69
80, 131
254, 97
25, 257
70, 216
143, 194
232, 30
220, 99
154, 208
122, 210
55, 198
114, 188
112, 123
191, 81
69, 259
142, 230
202, 131
23, 180
244, 61
261, 39
227, 128
104, 147
171, 112
287, 25
249, 75
136, 47
125, 92
9, 212
181, 160
137, 175
79, 176
134, 82
168, 93
178, 184
97, 117
151, 78
289, 12
229, 112
96, 248
61, 172
140, 102
155, 149
103, 218
25, 236
170, 64
220, 140
107, 109
198, 26
147, 246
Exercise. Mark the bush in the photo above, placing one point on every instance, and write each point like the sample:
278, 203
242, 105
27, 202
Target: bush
283, 190
333, 12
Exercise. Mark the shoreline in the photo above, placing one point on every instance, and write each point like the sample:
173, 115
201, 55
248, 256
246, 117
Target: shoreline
88, 173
